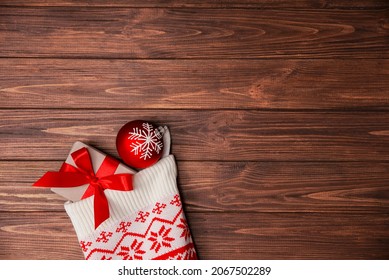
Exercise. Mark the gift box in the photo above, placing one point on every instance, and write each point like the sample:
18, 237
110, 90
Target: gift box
118, 213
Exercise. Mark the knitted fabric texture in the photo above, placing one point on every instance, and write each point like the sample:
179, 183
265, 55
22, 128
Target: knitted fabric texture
146, 223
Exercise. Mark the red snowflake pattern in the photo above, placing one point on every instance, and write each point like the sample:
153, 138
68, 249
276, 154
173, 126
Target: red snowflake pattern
142, 216
123, 226
158, 231
84, 245
104, 237
161, 238
133, 252
159, 208
176, 201
185, 229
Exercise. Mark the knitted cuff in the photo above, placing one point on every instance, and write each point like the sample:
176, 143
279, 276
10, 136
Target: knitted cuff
146, 223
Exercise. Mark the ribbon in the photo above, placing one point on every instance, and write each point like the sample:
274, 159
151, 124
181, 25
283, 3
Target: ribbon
69, 176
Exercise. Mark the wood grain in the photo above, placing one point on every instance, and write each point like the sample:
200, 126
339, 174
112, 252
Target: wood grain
194, 84
263, 4
192, 33
219, 236
278, 112
37, 236
238, 135
233, 186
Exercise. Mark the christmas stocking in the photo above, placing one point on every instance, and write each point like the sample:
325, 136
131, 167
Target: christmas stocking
118, 213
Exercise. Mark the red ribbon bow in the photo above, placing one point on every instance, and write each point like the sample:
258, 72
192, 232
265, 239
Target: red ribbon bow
69, 176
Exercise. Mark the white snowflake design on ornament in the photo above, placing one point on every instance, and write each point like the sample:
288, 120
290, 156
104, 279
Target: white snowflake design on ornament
147, 139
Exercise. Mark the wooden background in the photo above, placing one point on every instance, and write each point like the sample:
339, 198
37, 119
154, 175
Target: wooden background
278, 112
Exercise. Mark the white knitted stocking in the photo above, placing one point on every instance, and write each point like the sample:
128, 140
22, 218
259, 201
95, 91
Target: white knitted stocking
146, 223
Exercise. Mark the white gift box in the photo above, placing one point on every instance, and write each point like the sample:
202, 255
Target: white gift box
97, 158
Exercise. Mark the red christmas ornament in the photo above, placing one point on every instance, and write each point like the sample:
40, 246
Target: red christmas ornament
139, 144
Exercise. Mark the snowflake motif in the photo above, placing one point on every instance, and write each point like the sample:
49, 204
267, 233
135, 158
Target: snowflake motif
133, 252
159, 208
161, 238
147, 141
142, 216
84, 245
123, 226
104, 237
176, 201
185, 229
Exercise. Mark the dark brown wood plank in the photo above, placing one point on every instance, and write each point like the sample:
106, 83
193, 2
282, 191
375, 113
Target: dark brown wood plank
263, 4
291, 236
219, 236
204, 135
194, 84
238, 186
38, 236
192, 33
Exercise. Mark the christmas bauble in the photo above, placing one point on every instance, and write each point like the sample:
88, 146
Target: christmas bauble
139, 144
